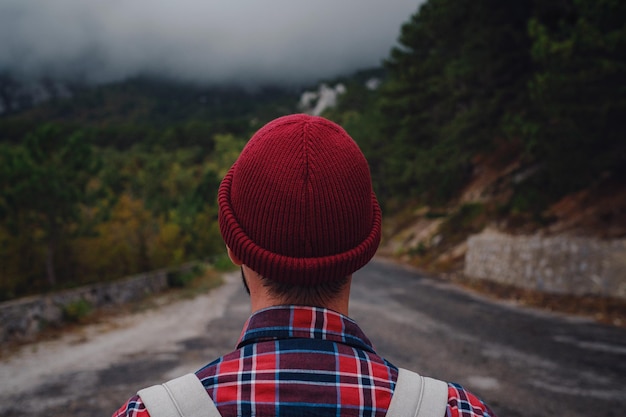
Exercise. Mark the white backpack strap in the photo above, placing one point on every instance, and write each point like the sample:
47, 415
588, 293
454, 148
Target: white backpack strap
417, 396
180, 397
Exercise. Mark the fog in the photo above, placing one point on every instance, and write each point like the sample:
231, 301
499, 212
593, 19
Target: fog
246, 41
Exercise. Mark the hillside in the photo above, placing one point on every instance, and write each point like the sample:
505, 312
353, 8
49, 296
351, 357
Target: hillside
434, 237
142, 109
112, 180
500, 116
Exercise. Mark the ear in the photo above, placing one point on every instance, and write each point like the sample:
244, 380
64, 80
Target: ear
233, 258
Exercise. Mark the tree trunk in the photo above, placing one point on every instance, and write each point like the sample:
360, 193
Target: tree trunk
50, 275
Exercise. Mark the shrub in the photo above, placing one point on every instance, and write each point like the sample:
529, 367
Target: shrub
77, 311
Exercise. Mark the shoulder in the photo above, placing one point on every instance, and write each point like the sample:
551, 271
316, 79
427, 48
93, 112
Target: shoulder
462, 403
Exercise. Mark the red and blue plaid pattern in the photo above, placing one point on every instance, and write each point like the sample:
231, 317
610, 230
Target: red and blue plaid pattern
305, 361
300, 361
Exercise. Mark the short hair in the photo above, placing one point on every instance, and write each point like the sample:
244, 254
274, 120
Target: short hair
317, 295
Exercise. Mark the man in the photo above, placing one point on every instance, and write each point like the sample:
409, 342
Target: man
298, 215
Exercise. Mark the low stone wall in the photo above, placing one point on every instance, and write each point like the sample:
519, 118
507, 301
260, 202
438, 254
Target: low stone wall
565, 265
23, 318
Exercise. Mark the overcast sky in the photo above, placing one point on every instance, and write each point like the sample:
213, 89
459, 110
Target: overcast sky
198, 40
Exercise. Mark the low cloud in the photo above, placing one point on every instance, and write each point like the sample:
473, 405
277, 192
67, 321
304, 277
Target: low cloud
246, 41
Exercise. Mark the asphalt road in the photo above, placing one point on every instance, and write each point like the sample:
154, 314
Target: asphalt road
521, 361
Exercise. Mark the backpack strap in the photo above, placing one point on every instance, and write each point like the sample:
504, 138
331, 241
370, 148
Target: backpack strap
414, 396
418, 396
180, 397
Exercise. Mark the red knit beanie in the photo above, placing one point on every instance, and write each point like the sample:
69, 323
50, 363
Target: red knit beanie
297, 206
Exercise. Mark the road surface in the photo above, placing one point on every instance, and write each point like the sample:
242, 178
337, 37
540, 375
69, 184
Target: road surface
523, 362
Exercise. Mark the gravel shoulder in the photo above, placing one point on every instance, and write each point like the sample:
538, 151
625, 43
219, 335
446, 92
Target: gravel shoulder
96, 347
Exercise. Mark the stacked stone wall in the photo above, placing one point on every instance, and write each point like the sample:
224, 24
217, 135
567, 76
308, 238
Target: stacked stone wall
22, 319
565, 265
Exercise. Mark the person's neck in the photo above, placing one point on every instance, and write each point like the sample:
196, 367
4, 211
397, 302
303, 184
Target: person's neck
260, 298
339, 304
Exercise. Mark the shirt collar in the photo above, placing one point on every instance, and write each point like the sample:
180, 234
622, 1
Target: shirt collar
284, 322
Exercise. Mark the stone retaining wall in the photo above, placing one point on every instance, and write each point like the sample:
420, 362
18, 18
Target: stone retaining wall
23, 318
565, 265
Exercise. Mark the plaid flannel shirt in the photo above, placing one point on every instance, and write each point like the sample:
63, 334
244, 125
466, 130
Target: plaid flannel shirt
306, 361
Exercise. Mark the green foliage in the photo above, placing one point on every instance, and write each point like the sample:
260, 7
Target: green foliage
358, 114
419, 250
44, 182
578, 93
197, 279
467, 75
223, 263
77, 311
461, 66
81, 214
46, 176
466, 220
180, 279
153, 112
